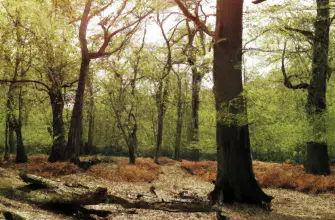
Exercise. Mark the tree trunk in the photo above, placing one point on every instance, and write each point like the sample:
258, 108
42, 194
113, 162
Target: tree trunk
11, 141
196, 83
9, 131
132, 145
316, 99
161, 97
21, 156
179, 121
235, 177
317, 159
75, 137
58, 149
9, 127
7, 153
90, 115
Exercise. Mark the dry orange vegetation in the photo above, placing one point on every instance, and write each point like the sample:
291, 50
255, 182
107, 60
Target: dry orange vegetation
269, 175
113, 169
272, 175
120, 170
38, 164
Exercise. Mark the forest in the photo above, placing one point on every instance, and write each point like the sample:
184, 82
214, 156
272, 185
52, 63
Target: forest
178, 109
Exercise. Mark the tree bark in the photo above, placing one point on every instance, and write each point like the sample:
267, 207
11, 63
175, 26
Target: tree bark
196, 83
132, 144
316, 99
9, 129
21, 156
317, 159
161, 97
90, 113
179, 124
75, 137
58, 149
235, 178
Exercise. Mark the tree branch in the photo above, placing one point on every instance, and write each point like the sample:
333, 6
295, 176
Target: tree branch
258, 1
25, 81
194, 18
308, 34
69, 84
287, 81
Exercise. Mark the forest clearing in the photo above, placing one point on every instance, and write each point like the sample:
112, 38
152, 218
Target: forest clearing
296, 194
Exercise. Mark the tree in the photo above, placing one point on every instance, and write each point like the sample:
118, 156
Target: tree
235, 178
162, 91
124, 99
52, 68
317, 153
317, 161
124, 12
21, 58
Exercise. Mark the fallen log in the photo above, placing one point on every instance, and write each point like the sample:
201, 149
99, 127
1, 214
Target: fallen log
44, 190
67, 199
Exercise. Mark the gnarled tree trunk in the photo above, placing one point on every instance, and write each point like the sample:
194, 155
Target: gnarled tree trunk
316, 99
58, 149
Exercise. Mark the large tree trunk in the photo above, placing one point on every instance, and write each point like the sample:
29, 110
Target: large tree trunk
316, 99
75, 137
317, 158
235, 178
58, 149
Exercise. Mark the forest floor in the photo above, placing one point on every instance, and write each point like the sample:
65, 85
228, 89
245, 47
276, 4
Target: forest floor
296, 195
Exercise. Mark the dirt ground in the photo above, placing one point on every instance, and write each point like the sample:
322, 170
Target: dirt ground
171, 180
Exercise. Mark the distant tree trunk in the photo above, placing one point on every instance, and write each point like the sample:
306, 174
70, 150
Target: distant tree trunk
90, 112
179, 120
21, 156
316, 99
132, 144
7, 151
161, 96
58, 149
196, 80
235, 178
9, 129
11, 141
196, 83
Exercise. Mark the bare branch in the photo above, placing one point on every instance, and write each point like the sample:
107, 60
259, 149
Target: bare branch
287, 81
308, 34
194, 18
25, 81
